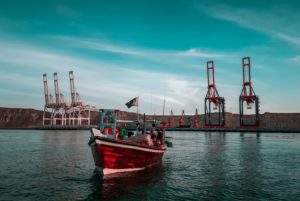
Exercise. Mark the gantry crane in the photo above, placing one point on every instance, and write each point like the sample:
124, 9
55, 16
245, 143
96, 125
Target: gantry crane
74, 94
171, 120
60, 112
49, 103
196, 120
248, 96
80, 112
181, 121
213, 100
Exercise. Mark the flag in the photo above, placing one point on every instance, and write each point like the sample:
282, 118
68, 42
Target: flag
133, 102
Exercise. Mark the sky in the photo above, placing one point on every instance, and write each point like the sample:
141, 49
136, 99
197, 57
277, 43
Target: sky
151, 49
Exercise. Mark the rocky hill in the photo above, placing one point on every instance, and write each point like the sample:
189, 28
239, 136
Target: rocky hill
31, 118
20, 118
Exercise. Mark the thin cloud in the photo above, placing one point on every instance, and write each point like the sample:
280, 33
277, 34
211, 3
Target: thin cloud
296, 59
106, 46
66, 11
289, 38
271, 21
193, 52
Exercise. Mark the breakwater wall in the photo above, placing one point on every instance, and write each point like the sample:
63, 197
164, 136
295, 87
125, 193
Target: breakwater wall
267, 120
31, 118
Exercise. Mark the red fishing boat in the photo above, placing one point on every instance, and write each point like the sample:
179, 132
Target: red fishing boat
118, 149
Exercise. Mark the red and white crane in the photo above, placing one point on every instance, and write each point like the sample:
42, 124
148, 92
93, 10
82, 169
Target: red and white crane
196, 120
213, 100
248, 95
171, 120
181, 121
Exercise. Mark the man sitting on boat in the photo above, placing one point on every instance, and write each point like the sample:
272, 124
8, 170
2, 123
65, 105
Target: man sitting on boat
153, 131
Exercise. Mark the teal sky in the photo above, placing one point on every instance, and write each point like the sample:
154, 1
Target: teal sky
151, 49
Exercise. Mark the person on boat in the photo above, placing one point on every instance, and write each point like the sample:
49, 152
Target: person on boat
138, 126
153, 132
129, 134
149, 140
106, 129
159, 136
106, 120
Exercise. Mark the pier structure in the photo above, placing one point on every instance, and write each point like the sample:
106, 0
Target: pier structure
248, 99
213, 101
196, 120
171, 120
59, 113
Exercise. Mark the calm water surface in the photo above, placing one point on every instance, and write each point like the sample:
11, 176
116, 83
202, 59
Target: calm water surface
58, 165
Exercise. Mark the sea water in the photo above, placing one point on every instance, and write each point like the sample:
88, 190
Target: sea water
58, 165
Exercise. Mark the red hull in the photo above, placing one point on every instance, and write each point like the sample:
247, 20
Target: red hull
118, 156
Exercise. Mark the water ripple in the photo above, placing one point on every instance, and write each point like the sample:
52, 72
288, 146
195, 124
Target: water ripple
58, 165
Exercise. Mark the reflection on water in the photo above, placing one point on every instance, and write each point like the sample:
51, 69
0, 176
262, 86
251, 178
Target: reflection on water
119, 185
250, 165
242, 134
58, 165
214, 164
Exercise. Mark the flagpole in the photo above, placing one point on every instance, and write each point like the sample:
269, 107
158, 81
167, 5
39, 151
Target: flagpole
137, 112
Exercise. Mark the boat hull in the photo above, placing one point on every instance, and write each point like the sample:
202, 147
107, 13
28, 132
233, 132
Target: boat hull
113, 156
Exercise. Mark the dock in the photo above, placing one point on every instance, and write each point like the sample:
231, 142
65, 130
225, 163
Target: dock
240, 130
